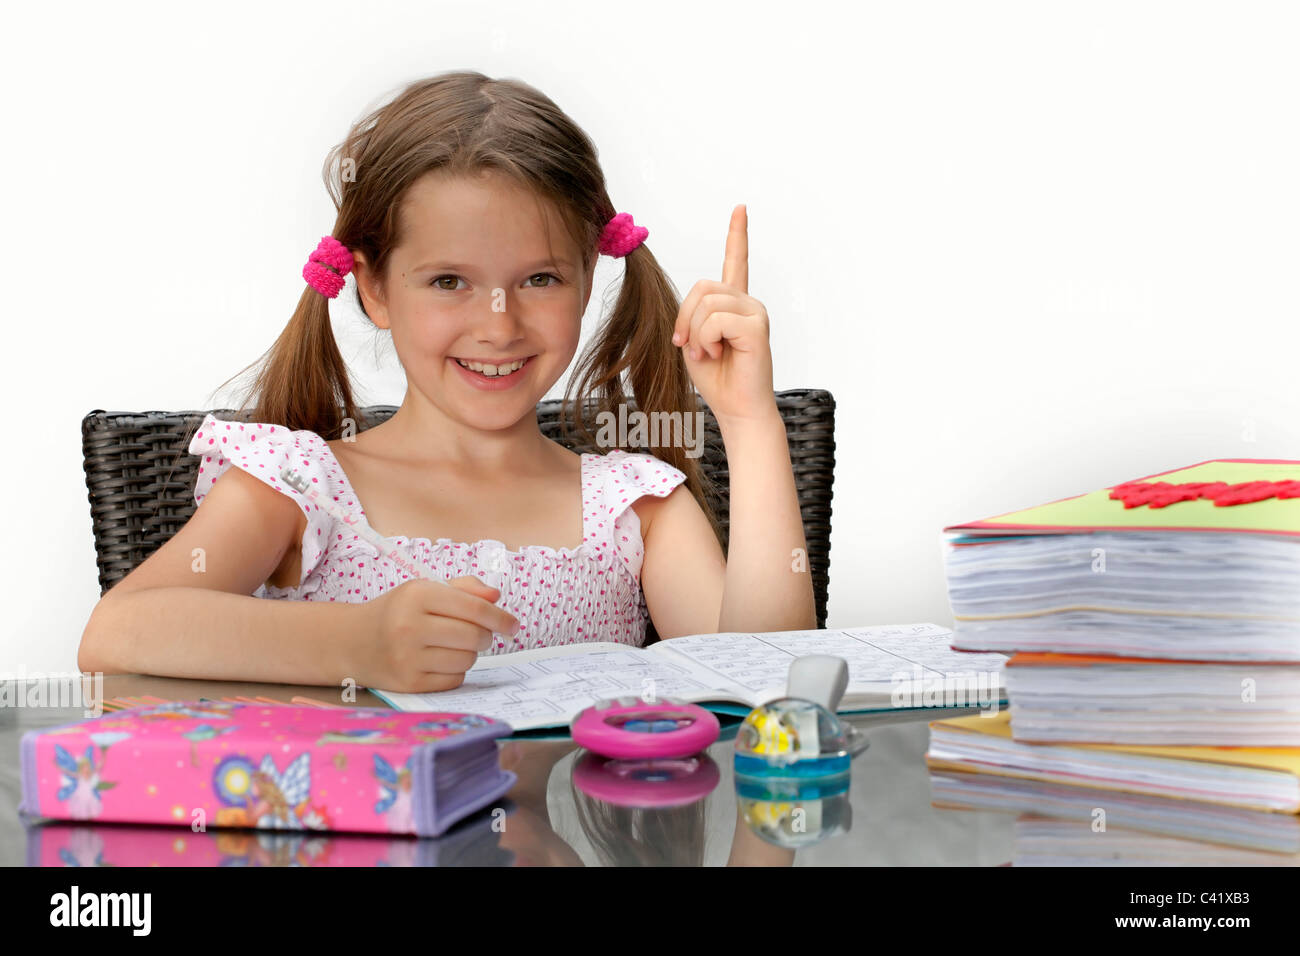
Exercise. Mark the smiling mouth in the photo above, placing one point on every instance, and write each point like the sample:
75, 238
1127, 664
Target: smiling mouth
493, 369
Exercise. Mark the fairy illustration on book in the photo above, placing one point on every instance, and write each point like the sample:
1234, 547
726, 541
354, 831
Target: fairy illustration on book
263, 796
394, 795
80, 783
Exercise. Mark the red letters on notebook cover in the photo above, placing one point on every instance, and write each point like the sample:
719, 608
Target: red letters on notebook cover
1158, 494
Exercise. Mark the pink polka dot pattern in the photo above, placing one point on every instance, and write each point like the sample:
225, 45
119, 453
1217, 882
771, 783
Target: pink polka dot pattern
559, 595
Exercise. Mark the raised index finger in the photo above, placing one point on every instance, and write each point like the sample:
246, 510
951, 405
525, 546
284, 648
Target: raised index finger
735, 265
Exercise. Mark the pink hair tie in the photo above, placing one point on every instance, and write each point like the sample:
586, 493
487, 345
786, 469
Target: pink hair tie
327, 266
621, 235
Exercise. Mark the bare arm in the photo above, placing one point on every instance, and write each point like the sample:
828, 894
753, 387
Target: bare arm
691, 588
682, 568
197, 632
187, 610
767, 587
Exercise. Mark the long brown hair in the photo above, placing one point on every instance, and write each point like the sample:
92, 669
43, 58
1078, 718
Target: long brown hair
465, 123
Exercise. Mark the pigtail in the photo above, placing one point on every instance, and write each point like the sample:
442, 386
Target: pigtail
636, 339
303, 381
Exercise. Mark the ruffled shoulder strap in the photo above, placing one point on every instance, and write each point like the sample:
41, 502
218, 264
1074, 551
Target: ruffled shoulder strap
611, 483
263, 450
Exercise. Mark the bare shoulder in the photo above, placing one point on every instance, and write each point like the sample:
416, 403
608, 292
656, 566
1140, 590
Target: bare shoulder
569, 454
567, 457
342, 449
374, 444
678, 505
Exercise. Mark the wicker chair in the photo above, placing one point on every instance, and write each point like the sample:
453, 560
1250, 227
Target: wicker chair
141, 477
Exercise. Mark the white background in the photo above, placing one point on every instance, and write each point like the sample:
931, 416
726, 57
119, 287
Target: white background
1032, 248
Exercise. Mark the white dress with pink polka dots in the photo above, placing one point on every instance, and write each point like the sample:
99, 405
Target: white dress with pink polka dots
558, 595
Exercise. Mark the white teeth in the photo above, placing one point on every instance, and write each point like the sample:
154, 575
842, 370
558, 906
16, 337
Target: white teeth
492, 370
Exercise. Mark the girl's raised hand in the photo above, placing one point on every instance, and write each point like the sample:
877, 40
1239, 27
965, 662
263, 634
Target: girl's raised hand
723, 333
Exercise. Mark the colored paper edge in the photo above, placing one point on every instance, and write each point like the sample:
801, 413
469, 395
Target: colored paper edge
1054, 659
1000, 726
995, 527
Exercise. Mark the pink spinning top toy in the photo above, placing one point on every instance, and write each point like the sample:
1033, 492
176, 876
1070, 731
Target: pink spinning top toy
630, 728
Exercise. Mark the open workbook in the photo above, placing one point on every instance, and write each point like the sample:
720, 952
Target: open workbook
891, 667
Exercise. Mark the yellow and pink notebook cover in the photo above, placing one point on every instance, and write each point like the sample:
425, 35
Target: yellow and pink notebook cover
1242, 495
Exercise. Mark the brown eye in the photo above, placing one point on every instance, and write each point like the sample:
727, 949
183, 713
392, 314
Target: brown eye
443, 279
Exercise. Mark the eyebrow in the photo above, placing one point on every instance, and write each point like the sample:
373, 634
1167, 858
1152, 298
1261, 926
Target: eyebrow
458, 267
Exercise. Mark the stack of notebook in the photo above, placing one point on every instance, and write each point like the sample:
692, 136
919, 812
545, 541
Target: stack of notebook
1262, 778
1155, 628
1125, 572
1113, 700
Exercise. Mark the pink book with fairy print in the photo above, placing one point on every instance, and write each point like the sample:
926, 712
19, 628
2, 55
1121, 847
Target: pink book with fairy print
267, 766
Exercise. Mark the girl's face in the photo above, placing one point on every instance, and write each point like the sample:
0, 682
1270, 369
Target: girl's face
474, 282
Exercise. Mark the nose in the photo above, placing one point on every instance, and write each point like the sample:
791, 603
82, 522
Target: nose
499, 323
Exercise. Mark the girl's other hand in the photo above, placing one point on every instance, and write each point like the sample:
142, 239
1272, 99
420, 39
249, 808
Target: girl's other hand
422, 636
723, 333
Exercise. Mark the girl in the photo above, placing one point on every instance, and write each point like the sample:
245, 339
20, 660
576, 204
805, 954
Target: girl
471, 211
